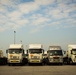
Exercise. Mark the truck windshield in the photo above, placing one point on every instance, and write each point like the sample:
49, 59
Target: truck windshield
55, 52
74, 51
35, 50
13, 51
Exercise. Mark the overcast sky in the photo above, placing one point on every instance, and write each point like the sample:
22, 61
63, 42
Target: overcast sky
49, 22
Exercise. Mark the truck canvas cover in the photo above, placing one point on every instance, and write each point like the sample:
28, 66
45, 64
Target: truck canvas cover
16, 46
54, 48
35, 46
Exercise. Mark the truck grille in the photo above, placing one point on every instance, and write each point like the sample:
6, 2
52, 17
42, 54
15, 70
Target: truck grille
56, 59
35, 57
14, 58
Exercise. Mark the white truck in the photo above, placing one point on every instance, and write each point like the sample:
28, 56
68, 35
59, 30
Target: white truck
55, 55
3, 60
1, 53
71, 54
15, 54
35, 53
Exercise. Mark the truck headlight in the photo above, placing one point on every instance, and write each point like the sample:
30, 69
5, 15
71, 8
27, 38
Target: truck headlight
51, 59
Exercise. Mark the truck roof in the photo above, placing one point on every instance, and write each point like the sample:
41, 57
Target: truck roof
35, 46
72, 46
16, 46
54, 48
45, 52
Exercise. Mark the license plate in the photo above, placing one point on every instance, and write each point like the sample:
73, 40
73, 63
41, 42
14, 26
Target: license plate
14, 61
56, 60
35, 61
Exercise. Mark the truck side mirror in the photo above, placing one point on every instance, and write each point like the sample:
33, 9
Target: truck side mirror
47, 51
27, 51
43, 51
71, 52
26, 54
64, 52
23, 51
6, 51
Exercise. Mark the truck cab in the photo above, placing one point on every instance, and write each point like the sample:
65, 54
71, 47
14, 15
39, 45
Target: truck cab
3, 59
15, 54
35, 53
55, 55
71, 54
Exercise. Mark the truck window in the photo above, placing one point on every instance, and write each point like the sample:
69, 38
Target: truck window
55, 52
35, 50
17, 51
74, 51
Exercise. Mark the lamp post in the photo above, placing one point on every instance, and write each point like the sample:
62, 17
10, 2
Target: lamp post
21, 41
14, 37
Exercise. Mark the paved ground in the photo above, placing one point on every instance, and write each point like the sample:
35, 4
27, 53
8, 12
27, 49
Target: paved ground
38, 70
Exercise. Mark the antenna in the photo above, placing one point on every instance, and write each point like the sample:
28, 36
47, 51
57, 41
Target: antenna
14, 37
21, 41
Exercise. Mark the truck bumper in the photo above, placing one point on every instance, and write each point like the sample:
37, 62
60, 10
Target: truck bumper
35, 61
14, 61
56, 61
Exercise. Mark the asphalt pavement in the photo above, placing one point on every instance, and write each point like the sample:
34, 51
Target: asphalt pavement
38, 70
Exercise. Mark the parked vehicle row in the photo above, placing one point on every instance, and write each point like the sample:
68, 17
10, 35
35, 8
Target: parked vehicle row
70, 57
15, 54
36, 54
3, 60
55, 55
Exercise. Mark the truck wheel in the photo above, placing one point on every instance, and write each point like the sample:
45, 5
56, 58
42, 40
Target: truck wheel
61, 63
9, 64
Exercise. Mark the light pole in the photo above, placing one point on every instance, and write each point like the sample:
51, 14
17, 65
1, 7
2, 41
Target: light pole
14, 37
21, 41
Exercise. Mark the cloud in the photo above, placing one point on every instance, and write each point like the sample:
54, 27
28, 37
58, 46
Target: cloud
33, 6
15, 14
44, 2
64, 23
29, 7
37, 29
36, 13
40, 21
5, 2
71, 22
